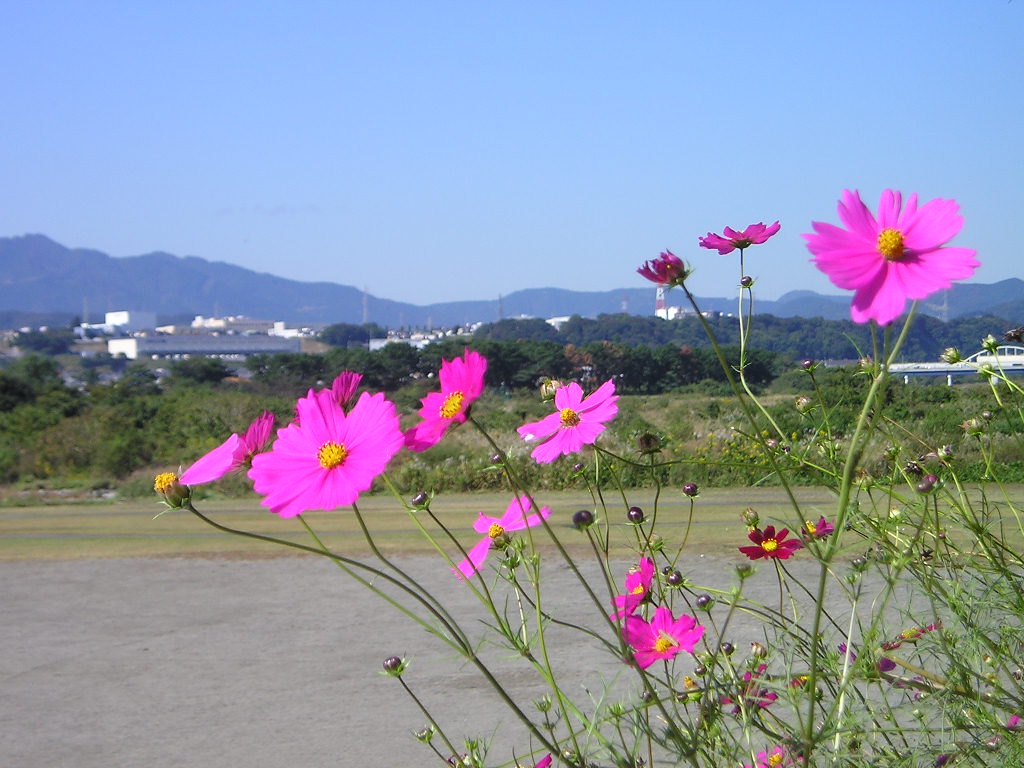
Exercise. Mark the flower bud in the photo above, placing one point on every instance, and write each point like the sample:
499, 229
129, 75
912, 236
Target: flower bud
578, 467
746, 281
548, 387
394, 666
497, 458
704, 602
635, 515
175, 494
990, 344
808, 364
743, 570
859, 563
927, 484
727, 648
424, 734
758, 651
973, 426
583, 519
750, 518
803, 404
648, 443
674, 579
951, 355
690, 489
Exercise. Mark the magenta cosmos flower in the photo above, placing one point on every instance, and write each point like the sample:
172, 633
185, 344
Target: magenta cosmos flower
662, 637
766, 759
329, 457
494, 529
668, 269
638, 585
577, 421
730, 239
898, 256
345, 385
768, 544
818, 530
235, 452
462, 381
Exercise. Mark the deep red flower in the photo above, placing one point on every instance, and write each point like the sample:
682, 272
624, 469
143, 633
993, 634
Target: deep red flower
768, 543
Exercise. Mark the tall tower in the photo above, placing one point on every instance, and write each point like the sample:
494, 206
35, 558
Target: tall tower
660, 305
366, 305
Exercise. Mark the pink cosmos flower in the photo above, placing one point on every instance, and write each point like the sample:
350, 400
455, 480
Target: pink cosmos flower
898, 256
662, 637
767, 759
730, 239
668, 269
462, 381
753, 695
544, 762
768, 544
329, 457
494, 528
233, 453
345, 385
818, 530
576, 422
638, 585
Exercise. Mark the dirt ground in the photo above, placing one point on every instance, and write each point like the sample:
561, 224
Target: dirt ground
261, 663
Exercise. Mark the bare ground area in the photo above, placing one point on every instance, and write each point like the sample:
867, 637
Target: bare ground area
264, 663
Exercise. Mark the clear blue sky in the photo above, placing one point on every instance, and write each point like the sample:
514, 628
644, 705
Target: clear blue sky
436, 151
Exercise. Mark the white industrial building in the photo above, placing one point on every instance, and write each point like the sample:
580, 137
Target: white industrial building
227, 345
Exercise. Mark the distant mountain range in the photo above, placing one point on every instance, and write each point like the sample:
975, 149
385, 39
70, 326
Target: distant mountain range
40, 278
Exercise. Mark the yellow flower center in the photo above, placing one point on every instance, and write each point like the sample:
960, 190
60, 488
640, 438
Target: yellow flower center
774, 759
569, 417
663, 643
811, 527
452, 405
331, 454
164, 481
769, 545
495, 531
689, 683
890, 244
638, 590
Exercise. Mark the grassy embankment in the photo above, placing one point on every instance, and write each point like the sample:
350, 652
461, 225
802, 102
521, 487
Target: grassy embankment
131, 529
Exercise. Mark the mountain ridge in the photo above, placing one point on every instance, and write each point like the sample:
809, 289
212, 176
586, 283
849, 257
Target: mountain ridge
39, 275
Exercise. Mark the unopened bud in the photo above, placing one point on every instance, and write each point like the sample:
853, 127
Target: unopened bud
635, 515
394, 666
690, 489
583, 519
758, 651
803, 404
951, 355
421, 500
750, 517
648, 443
548, 387
746, 281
